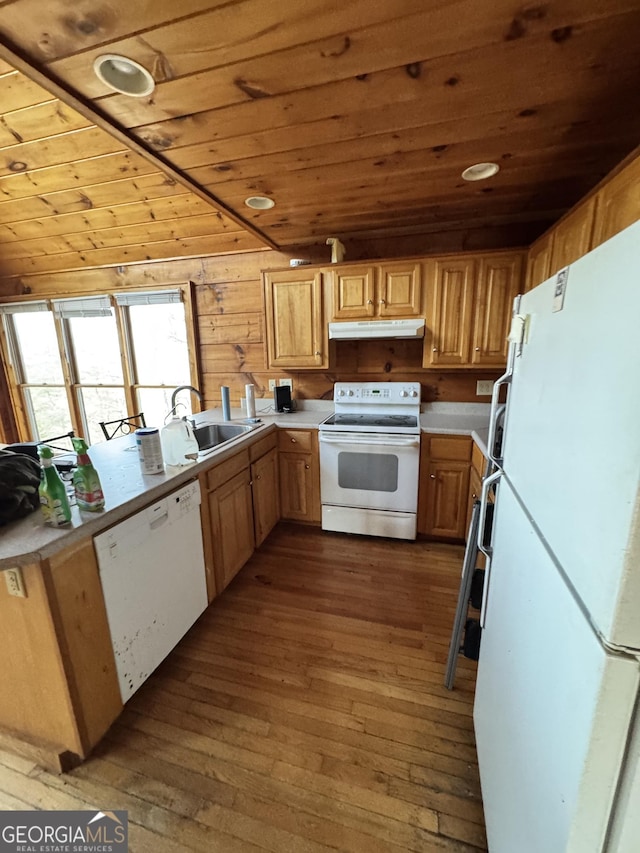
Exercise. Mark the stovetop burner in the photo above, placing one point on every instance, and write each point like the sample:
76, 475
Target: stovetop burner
371, 420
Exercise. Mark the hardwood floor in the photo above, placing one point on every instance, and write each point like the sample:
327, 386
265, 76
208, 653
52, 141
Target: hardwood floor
304, 712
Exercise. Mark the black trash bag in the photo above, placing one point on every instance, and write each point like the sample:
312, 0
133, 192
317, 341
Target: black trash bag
19, 481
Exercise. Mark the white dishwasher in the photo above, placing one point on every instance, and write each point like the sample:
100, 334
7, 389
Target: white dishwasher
153, 579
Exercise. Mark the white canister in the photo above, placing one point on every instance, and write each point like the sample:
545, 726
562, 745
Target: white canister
149, 450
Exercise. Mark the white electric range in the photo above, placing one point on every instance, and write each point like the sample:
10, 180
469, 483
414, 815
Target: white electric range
369, 459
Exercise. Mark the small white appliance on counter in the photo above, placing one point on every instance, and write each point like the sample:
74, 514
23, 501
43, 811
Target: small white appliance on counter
153, 578
369, 459
557, 708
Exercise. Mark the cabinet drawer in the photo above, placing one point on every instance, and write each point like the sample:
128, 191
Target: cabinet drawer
477, 459
264, 445
227, 469
453, 447
295, 440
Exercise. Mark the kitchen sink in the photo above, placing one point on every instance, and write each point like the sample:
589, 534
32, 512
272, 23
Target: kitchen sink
209, 436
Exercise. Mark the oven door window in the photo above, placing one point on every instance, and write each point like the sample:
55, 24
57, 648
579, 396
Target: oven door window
368, 472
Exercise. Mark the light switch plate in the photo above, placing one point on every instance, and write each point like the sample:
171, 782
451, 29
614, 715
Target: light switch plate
272, 384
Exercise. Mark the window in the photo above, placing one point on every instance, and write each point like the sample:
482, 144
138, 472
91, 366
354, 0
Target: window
160, 354
35, 357
90, 334
122, 355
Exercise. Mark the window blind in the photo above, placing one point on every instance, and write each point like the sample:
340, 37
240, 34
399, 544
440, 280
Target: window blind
88, 306
154, 297
23, 307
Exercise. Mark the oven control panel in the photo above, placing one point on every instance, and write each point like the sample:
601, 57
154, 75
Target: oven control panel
381, 393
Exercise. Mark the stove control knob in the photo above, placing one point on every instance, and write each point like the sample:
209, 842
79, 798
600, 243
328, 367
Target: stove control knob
341, 392
404, 394
414, 393
350, 393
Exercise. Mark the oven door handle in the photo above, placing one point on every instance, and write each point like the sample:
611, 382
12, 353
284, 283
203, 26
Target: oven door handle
371, 439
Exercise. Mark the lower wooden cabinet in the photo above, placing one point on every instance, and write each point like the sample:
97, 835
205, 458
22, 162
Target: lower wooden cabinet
266, 494
231, 514
240, 507
444, 485
299, 475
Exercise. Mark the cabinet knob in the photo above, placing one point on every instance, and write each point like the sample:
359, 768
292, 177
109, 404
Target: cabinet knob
318, 353
435, 349
294, 441
477, 349
474, 496
433, 476
259, 477
307, 467
369, 301
382, 302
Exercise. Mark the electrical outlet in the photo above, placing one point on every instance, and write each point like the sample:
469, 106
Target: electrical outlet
484, 388
15, 583
272, 384
288, 382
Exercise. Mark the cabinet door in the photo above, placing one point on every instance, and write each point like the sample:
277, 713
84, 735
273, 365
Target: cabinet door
447, 497
539, 261
297, 492
448, 336
266, 495
399, 288
617, 204
296, 333
572, 236
231, 513
353, 293
499, 280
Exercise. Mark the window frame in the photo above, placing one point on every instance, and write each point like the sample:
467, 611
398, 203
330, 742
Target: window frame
13, 359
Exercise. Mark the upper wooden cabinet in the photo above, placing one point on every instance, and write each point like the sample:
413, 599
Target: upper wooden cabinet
613, 208
617, 204
471, 300
572, 236
296, 327
380, 290
539, 261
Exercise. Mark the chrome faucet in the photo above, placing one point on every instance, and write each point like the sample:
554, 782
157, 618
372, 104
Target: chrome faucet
184, 388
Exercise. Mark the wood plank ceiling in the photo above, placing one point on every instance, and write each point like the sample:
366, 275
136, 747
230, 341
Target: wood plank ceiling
356, 117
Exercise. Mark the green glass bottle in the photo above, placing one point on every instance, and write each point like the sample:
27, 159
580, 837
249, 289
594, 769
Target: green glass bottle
89, 495
53, 494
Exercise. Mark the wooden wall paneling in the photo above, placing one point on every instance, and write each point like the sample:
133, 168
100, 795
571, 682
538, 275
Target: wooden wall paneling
34, 699
78, 608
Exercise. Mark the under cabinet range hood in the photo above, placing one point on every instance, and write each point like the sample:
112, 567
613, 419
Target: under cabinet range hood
371, 329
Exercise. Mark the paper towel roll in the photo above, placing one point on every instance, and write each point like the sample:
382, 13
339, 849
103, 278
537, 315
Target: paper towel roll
250, 397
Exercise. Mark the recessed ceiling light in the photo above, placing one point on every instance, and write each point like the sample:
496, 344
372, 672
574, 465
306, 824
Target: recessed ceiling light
480, 171
259, 202
124, 75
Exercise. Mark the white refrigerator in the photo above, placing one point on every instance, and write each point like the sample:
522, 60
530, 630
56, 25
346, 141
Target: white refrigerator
557, 708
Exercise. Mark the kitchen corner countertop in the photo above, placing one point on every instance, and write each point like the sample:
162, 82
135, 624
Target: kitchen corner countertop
455, 418
127, 490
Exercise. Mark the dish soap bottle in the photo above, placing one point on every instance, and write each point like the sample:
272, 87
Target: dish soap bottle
53, 494
179, 444
86, 481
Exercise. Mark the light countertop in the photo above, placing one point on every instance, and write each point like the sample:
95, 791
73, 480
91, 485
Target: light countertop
128, 490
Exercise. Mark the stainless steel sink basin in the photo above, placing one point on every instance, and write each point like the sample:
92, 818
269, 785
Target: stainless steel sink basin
209, 436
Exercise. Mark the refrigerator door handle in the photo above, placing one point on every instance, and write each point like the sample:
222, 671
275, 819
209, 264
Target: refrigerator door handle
497, 410
487, 550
